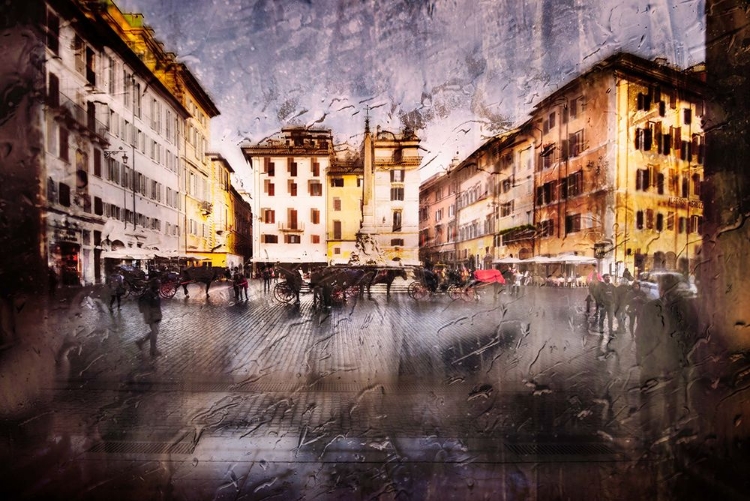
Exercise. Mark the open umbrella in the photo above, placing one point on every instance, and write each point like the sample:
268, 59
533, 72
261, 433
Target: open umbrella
507, 260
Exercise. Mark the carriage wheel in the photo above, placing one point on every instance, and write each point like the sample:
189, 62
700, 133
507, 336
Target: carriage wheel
455, 292
168, 289
417, 291
470, 294
351, 292
338, 295
128, 289
283, 292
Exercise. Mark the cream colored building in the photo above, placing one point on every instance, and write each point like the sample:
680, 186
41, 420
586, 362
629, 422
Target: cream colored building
290, 188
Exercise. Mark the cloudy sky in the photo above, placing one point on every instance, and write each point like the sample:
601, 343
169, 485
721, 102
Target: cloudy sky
459, 71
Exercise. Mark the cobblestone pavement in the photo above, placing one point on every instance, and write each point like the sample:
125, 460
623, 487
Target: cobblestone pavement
384, 398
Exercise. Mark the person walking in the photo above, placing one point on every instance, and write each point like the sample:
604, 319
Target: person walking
116, 282
606, 304
266, 273
240, 281
150, 306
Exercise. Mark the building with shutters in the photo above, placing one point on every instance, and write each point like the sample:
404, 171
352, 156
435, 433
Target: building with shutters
289, 204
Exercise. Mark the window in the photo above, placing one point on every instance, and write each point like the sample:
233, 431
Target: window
687, 115
552, 120
53, 91
79, 50
660, 222
660, 183
270, 189
90, 66
643, 101
685, 187
137, 99
576, 144
397, 176
53, 32
397, 220
649, 219
337, 204
670, 221
292, 189
269, 239
316, 169
98, 206
547, 228
64, 152
316, 189
506, 209
97, 162
572, 223
337, 250
315, 239
639, 219
293, 169
337, 230
269, 168
337, 182
682, 225
269, 216
397, 193
696, 185
397, 242
575, 184
64, 195
292, 239
438, 215
642, 179
314, 216
644, 137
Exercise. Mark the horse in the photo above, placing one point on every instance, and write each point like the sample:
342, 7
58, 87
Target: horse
324, 280
203, 274
384, 276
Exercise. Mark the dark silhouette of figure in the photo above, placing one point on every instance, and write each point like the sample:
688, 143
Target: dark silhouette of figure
150, 306
665, 334
606, 304
266, 274
116, 283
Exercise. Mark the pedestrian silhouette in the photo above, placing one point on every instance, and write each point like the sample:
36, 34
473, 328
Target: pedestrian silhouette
150, 306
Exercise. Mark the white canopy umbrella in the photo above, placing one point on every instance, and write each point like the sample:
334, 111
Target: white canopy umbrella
577, 259
508, 260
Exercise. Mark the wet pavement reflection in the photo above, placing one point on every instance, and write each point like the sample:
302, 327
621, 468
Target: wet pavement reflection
501, 398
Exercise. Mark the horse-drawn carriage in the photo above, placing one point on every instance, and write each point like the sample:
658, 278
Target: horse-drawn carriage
335, 284
428, 282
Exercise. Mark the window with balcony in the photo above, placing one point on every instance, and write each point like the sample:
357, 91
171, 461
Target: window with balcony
397, 175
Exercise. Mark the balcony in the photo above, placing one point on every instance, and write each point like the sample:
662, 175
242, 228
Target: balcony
205, 207
291, 227
84, 119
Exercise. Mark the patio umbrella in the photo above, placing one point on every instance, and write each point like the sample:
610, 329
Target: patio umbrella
507, 260
577, 260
